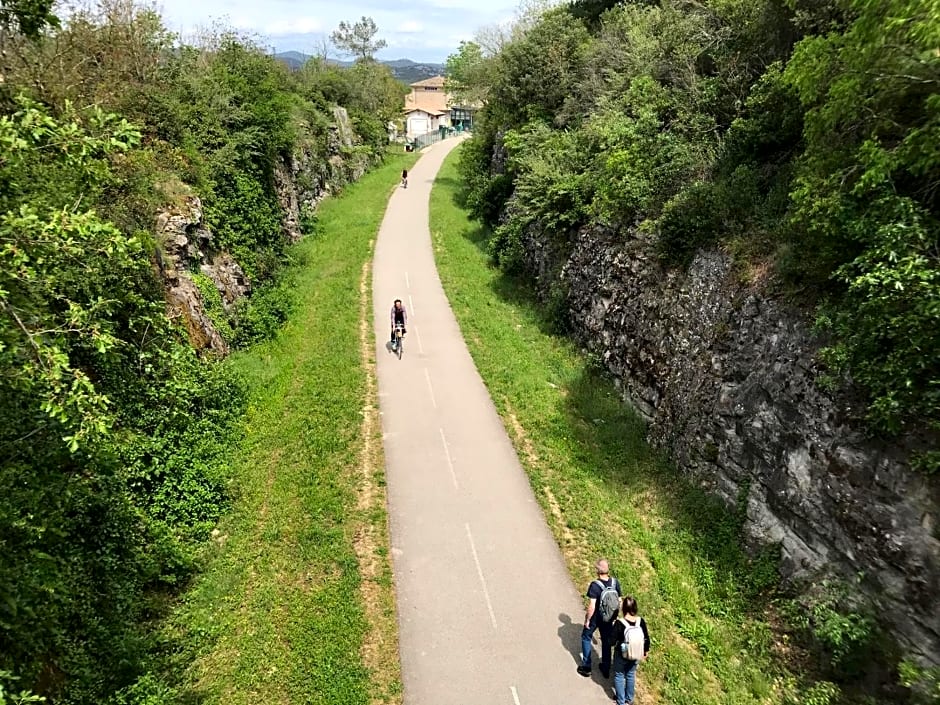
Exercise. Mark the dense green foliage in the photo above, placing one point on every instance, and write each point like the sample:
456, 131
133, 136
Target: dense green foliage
112, 429
463, 81
116, 434
802, 133
27, 16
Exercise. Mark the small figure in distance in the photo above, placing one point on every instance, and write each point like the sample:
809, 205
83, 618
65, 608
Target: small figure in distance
603, 606
404, 178
631, 645
399, 316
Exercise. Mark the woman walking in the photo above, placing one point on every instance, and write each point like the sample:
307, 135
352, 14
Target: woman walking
631, 645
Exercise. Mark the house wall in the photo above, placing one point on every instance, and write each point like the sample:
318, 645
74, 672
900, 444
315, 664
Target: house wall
418, 123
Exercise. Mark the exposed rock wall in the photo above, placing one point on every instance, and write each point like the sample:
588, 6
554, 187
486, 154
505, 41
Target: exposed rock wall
726, 376
314, 170
186, 246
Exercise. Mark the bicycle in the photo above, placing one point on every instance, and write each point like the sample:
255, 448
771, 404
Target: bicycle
399, 339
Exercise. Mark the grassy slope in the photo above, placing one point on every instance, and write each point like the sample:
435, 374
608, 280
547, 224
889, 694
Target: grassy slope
277, 617
604, 492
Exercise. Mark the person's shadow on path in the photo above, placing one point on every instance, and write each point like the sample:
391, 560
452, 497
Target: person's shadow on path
569, 633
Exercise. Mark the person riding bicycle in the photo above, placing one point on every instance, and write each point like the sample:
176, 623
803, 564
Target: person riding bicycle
399, 317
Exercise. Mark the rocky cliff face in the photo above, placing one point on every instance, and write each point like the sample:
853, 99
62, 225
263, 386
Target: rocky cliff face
308, 175
314, 170
726, 376
187, 247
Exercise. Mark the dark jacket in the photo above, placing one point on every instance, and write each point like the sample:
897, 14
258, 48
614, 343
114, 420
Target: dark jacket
404, 316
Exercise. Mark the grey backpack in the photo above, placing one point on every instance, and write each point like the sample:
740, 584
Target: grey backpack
608, 603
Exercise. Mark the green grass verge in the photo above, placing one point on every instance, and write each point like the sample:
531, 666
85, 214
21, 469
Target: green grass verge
604, 492
276, 616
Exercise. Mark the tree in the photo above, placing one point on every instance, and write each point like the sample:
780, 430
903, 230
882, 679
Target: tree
358, 39
465, 74
539, 69
19, 19
27, 16
590, 11
866, 200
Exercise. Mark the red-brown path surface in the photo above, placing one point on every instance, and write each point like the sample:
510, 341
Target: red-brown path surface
487, 611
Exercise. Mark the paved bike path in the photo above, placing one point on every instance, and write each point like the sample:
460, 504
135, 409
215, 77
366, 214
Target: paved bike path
487, 612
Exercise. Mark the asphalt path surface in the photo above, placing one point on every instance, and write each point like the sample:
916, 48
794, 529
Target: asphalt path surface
487, 612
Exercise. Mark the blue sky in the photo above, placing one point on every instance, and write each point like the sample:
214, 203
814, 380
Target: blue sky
422, 30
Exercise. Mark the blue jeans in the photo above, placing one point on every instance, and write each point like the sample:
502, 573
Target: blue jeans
624, 679
607, 632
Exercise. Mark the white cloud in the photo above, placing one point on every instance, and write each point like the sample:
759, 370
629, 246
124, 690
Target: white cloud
299, 25
451, 4
410, 27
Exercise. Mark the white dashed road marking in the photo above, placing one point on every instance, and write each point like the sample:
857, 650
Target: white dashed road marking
486, 593
427, 376
450, 463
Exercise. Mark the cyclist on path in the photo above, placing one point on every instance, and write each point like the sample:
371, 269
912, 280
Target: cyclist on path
400, 316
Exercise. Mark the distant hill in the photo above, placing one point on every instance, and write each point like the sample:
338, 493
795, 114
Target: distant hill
294, 59
404, 70
410, 71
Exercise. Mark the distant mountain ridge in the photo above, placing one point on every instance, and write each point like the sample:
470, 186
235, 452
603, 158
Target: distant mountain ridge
404, 70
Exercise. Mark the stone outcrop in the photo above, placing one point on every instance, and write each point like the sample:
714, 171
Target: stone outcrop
186, 246
726, 375
316, 169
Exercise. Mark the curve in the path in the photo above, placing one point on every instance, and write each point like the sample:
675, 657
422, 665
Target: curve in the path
487, 612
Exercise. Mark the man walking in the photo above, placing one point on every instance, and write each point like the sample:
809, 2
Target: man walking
603, 606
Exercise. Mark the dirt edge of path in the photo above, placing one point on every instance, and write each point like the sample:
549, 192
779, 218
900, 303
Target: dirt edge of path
371, 539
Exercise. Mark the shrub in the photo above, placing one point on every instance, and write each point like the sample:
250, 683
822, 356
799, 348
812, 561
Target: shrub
112, 429
923, 682
866, 205
819, 693
840, 631
261, 316
690, 220
486, 192
212, 305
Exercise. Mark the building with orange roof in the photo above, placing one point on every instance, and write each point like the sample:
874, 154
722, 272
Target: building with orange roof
428, 108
